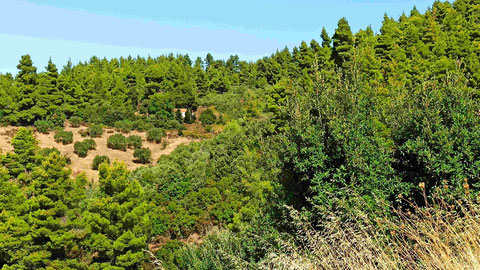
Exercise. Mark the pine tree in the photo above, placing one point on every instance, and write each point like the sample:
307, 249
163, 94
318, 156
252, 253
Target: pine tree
118, 222
342, 43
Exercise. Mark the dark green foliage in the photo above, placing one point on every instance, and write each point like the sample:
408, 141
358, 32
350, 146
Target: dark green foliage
95, 131
344, 125
134, 141
65, 137
208, 117
44, 126
181, 129
75, 121
155, 135
197, 184
124, 199
99, 160
143, 155
117, 141
90, 143
124, 126
189, 117
82, 148
178, 116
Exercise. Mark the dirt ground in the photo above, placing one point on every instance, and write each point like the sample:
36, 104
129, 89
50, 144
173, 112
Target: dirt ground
79, 164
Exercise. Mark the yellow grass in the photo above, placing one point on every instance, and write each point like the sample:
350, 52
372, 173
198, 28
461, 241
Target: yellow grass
435, 237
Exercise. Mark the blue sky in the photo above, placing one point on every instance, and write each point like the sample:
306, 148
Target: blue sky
63, 29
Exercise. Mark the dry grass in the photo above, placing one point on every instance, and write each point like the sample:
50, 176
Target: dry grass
434, 237
79, 165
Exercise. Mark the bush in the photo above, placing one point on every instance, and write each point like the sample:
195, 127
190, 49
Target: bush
65, 137
181, 129
143, 155
117, 141
75, 121
58, 119
208, 117
44, 126
208, 129
81, 149
95, 131
124, 125
92, 145
142, 125
155, 135
134, 141
99, 160
172, 124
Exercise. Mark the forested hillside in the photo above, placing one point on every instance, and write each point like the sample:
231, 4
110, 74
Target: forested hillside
356, 150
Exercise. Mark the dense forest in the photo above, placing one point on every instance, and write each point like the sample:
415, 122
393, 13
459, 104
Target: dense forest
353, 138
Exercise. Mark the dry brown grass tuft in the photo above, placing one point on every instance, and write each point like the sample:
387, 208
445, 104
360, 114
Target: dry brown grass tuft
435, 237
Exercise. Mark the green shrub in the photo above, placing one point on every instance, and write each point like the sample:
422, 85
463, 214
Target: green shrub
142, 125
117, 141
92, 145
65, 137
95, 131
208, 117
155, 135
44, 126
75, 121
171, 124
143, 155
134, 141
181, 129
208, 128
58, 119
99, 160
124, 126
81, 149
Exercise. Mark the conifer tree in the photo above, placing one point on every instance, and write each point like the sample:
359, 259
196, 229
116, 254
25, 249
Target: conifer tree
342, 43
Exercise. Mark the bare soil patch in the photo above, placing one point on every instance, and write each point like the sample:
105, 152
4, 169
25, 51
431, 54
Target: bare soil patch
79, 165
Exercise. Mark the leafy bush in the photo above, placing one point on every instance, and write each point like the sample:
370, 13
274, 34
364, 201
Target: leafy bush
142, 125
134, 141
75, 121
181, 129
99, 160
65, 137
44, 126
95, 131
81, 149
155, 135
143, 155
117, 141
124, 125
92, 145
172, 124
58, 119
208, 117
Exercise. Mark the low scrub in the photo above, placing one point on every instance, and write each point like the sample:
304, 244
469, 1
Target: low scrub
75, 121
124, 126
134, 141
44, 126
117, 141
143, 155
98, 160
155, 135
64, 137
208, 117
95, 131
